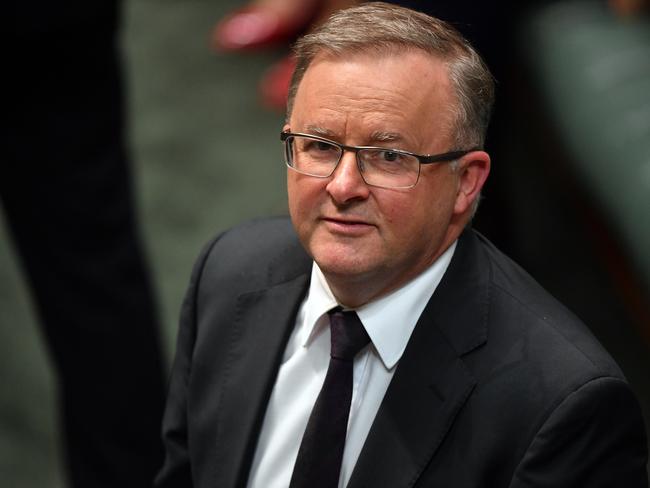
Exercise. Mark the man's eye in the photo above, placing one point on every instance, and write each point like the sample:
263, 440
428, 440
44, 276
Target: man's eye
390, 156
386, 156
323, 146
318, 146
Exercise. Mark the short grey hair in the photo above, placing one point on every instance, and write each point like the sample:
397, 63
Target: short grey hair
382, 28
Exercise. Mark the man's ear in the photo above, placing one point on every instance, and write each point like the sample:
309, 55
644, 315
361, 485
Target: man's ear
473, 169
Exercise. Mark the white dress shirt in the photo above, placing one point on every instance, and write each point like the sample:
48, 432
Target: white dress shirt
389, 322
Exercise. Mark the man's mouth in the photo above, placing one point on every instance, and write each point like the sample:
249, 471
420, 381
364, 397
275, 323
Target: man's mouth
347, 225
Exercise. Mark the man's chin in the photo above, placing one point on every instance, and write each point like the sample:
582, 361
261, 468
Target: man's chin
343, 256
342, 265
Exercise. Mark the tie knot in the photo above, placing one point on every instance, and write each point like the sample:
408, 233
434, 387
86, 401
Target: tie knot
348, 334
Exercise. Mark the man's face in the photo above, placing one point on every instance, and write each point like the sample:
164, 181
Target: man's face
368, 240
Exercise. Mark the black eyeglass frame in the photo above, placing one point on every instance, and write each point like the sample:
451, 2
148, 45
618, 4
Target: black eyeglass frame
422, 159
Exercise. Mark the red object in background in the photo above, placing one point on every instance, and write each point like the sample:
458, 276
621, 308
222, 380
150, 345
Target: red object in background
252, 28
274, 85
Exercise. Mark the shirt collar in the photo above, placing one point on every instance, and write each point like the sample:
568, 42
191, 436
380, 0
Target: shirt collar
389, 320
319, 301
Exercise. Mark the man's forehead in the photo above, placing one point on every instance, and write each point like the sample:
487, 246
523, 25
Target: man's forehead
409, 73
382, 100
404, 59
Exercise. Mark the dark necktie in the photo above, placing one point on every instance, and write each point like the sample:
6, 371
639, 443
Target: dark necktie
319, 458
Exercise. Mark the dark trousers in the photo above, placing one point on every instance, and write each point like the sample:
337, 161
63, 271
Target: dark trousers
66, 191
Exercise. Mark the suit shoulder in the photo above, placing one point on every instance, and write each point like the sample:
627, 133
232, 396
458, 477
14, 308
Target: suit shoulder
257, 253
554, 333
258, 235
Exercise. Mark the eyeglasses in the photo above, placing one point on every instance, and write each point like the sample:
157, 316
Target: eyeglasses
379, 166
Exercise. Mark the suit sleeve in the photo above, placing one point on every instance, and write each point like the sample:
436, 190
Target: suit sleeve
177, 470
594, 438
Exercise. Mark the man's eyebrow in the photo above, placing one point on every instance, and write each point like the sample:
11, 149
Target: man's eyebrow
317, 130
375, 137
381, 136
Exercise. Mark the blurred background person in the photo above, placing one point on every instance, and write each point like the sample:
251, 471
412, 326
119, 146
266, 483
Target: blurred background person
67, 196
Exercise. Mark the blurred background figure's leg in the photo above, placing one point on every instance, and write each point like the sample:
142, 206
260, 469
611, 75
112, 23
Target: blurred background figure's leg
66, 191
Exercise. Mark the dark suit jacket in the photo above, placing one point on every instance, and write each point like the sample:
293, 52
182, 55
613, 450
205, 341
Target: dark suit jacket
500, 386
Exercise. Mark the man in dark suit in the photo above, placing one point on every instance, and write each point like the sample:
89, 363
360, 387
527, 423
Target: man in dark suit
466, 372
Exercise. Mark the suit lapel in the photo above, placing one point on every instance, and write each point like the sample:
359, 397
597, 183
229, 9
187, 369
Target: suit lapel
262, 326
427, 391
431, 383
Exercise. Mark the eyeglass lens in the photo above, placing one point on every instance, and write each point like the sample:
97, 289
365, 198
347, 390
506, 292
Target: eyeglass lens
378, 167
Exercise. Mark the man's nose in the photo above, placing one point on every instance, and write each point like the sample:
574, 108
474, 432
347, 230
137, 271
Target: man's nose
346, 182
